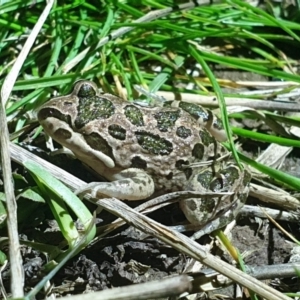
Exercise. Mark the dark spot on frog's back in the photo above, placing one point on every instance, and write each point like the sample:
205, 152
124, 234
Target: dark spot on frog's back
153, 143
166, 119
117, 131
134, 115
137, 162
93, 108
205, 179
198, 151
96, 142
183, 132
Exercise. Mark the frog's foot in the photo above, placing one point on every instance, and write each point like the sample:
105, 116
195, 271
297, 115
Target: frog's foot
217, 223
130, 184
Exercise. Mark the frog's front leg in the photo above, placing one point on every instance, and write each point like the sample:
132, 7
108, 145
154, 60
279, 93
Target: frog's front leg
130, 184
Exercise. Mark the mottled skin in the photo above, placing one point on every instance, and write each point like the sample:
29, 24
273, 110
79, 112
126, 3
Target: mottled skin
142, 149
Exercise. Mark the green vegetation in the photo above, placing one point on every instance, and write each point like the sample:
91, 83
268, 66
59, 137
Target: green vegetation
119, 44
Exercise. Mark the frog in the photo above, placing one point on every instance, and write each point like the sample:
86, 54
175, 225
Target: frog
142, 149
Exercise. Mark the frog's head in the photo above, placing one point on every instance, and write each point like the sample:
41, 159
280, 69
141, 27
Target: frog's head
64, 119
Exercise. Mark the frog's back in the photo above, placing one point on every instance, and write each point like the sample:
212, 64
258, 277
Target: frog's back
160, 140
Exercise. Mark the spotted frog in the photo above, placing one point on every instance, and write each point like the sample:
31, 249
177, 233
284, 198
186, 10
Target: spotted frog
142, 149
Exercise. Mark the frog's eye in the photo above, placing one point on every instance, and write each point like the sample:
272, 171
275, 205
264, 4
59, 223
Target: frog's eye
84, 88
